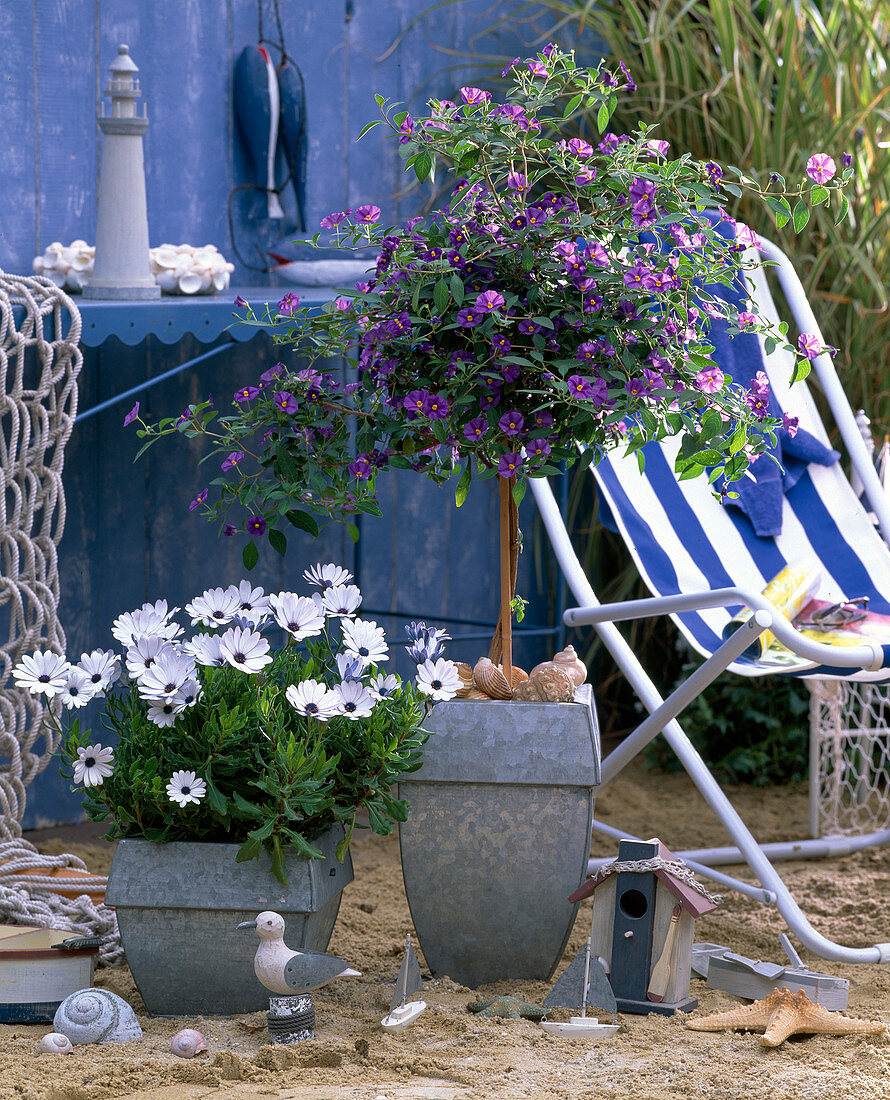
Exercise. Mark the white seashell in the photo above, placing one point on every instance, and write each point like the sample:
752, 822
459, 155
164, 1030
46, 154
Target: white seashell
81, 246
55, 1043
58, 277
82, 260
206, 281
166, 280
37, 265
184, 248
96, 1016
220, 280
75, 280
569, 661
187, 1043
189, 283
165, 256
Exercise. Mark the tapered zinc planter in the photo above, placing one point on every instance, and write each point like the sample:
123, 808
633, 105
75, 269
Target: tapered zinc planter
178, 905
498, 834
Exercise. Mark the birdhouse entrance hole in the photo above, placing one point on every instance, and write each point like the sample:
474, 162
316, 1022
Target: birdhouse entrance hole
633, 904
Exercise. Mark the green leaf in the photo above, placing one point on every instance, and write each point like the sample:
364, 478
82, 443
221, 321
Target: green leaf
278, 541
573, 104
422, 164
352, 531
380, 100
528, 259
801, 370
602, 117
457, 289
303, 520
519, 487
818, 194
250, 555
801, 215
707, 457
463, 486
441, 296
370, 126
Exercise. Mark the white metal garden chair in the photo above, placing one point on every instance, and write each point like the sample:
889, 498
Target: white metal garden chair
702, 562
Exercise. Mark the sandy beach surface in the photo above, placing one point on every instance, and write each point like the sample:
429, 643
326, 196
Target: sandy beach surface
452, 1055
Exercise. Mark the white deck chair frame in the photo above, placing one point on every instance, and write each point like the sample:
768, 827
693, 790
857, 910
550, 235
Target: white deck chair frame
663, 712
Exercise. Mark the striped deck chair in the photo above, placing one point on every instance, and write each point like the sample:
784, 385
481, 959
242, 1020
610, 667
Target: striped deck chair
703, 563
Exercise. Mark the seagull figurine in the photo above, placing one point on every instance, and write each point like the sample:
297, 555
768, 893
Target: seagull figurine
288, 972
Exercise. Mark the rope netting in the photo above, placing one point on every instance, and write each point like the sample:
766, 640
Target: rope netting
39, 363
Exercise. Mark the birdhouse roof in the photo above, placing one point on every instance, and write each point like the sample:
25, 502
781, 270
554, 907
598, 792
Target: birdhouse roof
691, 900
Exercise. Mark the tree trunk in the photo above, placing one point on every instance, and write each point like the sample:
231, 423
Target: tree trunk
501, 651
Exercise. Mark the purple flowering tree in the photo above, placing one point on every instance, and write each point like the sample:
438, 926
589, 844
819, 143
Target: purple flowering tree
557, 306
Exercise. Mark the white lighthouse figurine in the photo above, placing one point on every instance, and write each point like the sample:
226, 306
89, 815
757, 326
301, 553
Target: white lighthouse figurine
122, 268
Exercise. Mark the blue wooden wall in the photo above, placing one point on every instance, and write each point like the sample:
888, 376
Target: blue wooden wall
129, 535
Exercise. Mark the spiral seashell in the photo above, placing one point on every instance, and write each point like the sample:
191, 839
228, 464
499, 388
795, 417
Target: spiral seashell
568, 660
548, 684
55, 1043
465, 674
187, 1043
490, 679
96, 1016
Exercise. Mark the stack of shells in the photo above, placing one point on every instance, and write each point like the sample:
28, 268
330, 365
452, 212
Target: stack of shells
176, 268
552, 681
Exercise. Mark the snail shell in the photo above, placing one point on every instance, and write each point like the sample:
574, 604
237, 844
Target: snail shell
489, 678
96, 1016
549, 684
473, 693
568, 660
465, 674
54, 1043
187, 1043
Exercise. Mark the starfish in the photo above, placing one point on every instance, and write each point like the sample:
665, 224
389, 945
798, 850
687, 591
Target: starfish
784, 1013
510, 1008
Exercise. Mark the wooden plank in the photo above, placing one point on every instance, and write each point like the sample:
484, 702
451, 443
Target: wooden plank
18, 134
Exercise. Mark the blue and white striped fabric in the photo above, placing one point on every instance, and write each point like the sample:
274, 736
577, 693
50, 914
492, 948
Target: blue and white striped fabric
684, 540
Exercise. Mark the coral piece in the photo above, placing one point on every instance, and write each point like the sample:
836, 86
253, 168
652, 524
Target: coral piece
187, 1043
490, 679
465, 674
568, 660
55, 1043
548, 685
96, 1016
783, 1014
508, 1008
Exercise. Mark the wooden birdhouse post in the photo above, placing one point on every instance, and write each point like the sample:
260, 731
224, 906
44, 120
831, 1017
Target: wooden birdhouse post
643, 926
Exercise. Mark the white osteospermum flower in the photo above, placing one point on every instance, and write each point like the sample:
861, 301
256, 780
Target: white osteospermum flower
187, 695
342, 599
93, 765
143, 653
185, 787
144, 623
349, 667
78, 690
253, 603
381, 686
162, 712
298, 615
245, 649
326, 576
355, 700
366, 640
166, 674
438, 679
214, 607
313, 700
205, 649
102, 667
42, 673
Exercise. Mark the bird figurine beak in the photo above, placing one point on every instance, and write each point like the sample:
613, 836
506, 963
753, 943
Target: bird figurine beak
247, 924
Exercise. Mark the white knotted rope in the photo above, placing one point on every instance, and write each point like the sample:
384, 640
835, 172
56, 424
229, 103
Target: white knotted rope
675, 867
39, 363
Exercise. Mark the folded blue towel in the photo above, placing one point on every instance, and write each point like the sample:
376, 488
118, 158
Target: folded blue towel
741, 356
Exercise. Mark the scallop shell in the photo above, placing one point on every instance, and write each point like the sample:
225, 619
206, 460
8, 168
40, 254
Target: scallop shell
96, 1016
187, 1043
465, 674
490, 679
56, 1043
474, 693
547, 684
568, 660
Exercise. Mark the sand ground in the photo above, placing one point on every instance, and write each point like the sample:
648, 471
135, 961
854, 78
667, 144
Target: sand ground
451, 1055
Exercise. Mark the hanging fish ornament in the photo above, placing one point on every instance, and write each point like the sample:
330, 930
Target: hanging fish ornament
257, 108
292, 99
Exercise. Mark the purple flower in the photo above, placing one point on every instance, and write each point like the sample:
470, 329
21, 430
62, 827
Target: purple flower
586, 351
414, 401
809, 345
710, 380
537, 448
406, 129
790, 424
475, 95
256, 526
511, 423
515, 61
435, 407
286, 402
847, 160
745, 319
509, 465
241, 302
516, 181
272, 373
715, 173
367, 215
585, 176
580, 387
232, 459
333, 220
247, 393
488, 302
199, 499
657, 148
500, 345
476, 428
636, 387
543, 420
289, 303
467, 318
580, 148
820, 168
132, 415
361, 468
536, 68
229, 530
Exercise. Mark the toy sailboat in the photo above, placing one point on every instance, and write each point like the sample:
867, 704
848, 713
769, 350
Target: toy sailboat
579, 985
408, 982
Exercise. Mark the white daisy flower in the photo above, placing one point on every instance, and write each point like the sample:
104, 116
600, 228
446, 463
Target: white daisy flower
160, 608
166, 675
438, 679
342, 599
381, 686
185, 787
143, 654
355, 700
144, 623
326, 576
93, 765
42, 673
349, 667
205, 649
298, 615
245, 649
214, 607
78, 690
102, 666
366, 640
162, 712
313, 700
188, 694
253, 603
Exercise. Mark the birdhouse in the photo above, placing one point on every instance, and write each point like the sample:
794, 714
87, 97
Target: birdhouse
643, 926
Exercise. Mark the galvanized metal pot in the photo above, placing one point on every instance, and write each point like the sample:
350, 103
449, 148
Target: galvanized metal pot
498, 834
178, 905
